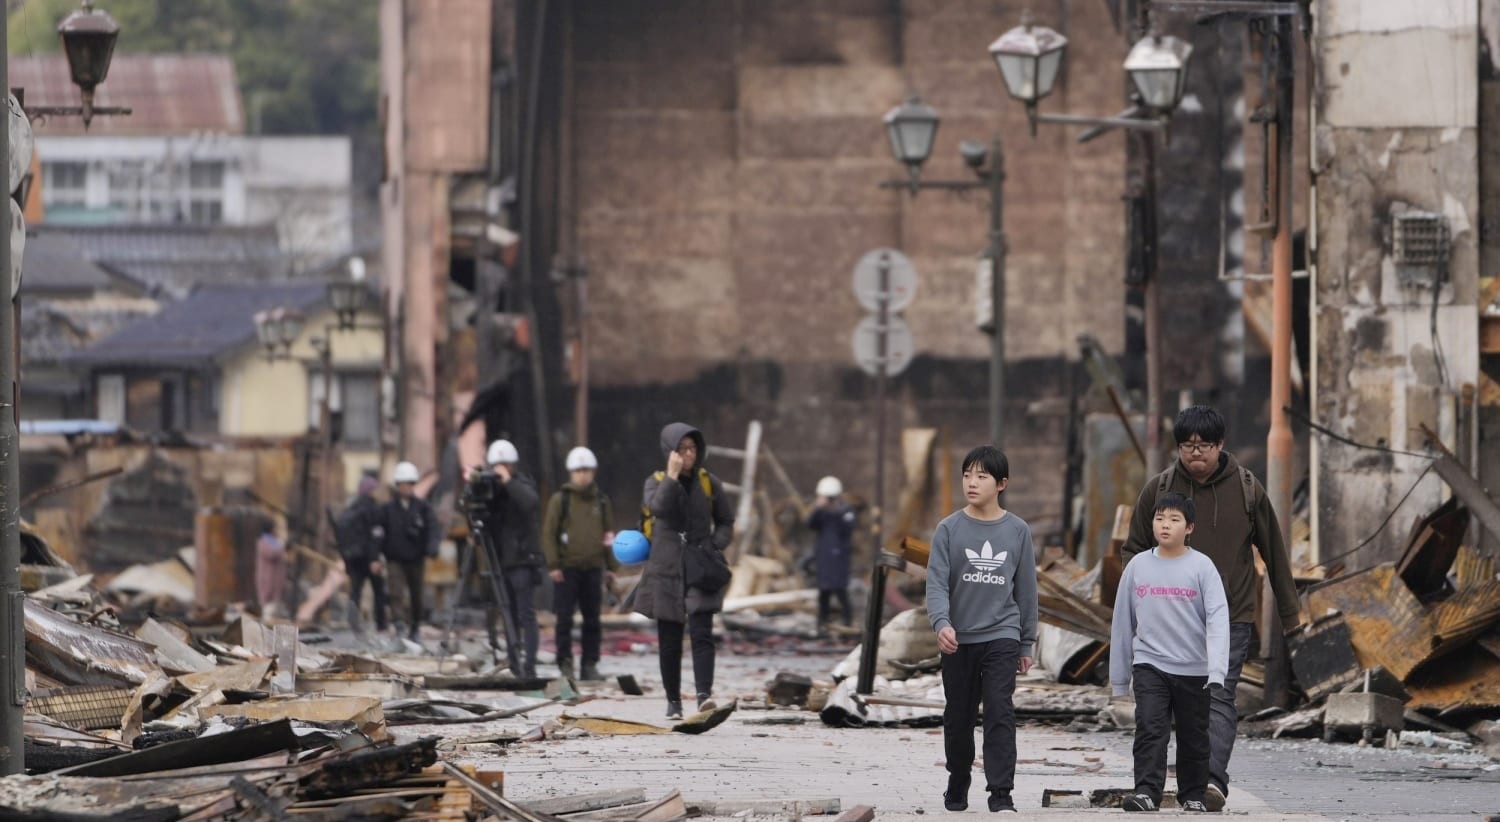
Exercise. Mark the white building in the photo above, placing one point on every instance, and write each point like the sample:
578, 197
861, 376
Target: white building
301, 184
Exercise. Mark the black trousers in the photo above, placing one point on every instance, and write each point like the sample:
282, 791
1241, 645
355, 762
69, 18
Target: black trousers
982, 671
359, 571
583, 590
412, 572
520, 588
669, 641
825, 605
1161, 699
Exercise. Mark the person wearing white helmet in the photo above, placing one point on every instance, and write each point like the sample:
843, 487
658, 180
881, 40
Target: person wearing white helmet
833, 520
576, 538
410, 535
513, 522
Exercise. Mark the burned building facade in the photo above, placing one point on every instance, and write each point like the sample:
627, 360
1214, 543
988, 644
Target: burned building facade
605, 216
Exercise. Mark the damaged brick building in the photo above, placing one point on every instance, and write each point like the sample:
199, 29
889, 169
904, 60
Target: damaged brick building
707, 173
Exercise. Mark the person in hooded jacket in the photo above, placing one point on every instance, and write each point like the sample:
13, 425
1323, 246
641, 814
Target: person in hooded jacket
686, 517
411, 536
1235, 520
513, 522
833, 521
360, 531
576, 537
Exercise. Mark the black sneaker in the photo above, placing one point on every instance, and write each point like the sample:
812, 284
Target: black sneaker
956, 798
1139, 802
590, 672
674, 709
1194, 806
1001, 801
565, 667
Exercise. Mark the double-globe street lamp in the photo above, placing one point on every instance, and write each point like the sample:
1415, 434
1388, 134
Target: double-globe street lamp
278, 329
1030, 59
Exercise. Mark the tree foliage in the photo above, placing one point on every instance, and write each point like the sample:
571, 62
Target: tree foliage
304, 66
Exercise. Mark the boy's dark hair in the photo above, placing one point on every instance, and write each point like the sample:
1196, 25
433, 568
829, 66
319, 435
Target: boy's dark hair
1202, 420
989, 458
1173, 501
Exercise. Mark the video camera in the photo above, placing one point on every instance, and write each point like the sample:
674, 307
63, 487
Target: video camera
481, 491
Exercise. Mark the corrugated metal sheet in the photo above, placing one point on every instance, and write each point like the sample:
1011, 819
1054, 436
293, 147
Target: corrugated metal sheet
169, 94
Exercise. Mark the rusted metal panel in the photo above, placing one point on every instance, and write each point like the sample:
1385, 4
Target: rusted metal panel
1386, 623
215, 575
1468, 680
79, 654
1323, 657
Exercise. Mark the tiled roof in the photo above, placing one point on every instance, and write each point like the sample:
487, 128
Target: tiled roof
53, 264
172, 258
167, 93
213, 320
53, 329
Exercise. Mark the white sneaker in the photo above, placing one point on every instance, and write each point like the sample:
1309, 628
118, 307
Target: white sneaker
1213, 797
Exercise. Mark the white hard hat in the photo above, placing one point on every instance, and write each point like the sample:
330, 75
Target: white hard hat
830, 487
502, 452
405, 472
581, 458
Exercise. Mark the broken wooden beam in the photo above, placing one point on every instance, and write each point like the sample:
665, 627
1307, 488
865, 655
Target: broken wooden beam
858, 813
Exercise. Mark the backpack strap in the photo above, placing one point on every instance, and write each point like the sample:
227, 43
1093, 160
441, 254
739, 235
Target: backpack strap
1247, 488
1163, 481
705, 480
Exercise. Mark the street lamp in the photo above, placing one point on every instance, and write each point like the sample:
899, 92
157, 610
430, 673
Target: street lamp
1029, 58
277, 329
1158, 68
88, 39
346, 297
912, 128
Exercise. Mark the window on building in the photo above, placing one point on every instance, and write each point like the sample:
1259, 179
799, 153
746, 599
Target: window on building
206, 192
65, 184
354, 406
110, 395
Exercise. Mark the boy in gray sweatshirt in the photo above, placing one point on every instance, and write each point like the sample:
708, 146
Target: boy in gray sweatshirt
1171, 638
981, 598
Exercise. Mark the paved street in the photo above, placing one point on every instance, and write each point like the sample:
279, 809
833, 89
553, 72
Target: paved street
899, 771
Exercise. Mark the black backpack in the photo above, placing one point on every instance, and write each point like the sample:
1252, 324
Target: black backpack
352, 530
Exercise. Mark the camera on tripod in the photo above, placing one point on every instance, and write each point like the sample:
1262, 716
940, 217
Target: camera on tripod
481, 491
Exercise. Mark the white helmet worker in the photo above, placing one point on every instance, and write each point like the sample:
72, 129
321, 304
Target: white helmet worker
582, 459
502, 452
830, 487
405, 472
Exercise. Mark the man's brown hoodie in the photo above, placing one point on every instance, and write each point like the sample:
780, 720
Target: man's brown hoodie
1225, 532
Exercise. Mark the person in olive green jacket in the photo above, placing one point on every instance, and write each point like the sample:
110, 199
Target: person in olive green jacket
576, 538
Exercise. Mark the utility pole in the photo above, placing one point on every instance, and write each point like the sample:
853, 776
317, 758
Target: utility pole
12, 613
1279, 440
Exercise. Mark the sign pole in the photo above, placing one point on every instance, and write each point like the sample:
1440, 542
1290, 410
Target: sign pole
874, 609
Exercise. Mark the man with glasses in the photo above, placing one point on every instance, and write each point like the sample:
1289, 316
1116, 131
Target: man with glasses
1235, 519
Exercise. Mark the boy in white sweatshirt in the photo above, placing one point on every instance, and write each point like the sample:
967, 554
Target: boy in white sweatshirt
1171, 638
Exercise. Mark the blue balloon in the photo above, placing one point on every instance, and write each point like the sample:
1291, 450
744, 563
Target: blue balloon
632, 547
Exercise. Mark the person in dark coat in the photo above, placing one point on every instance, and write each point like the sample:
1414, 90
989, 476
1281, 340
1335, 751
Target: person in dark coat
689, 512
360, 532
411, 536
513, 522
833, 521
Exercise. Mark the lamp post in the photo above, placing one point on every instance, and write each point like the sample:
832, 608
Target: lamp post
1029, 58
912, 129
88, 38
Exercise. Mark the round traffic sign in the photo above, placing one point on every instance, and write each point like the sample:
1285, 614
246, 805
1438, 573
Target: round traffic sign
900, 346
901, 285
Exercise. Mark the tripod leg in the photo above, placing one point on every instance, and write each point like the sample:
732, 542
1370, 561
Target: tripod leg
502, 601
465, 567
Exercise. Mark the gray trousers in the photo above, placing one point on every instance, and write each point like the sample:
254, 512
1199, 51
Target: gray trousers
1224, 717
